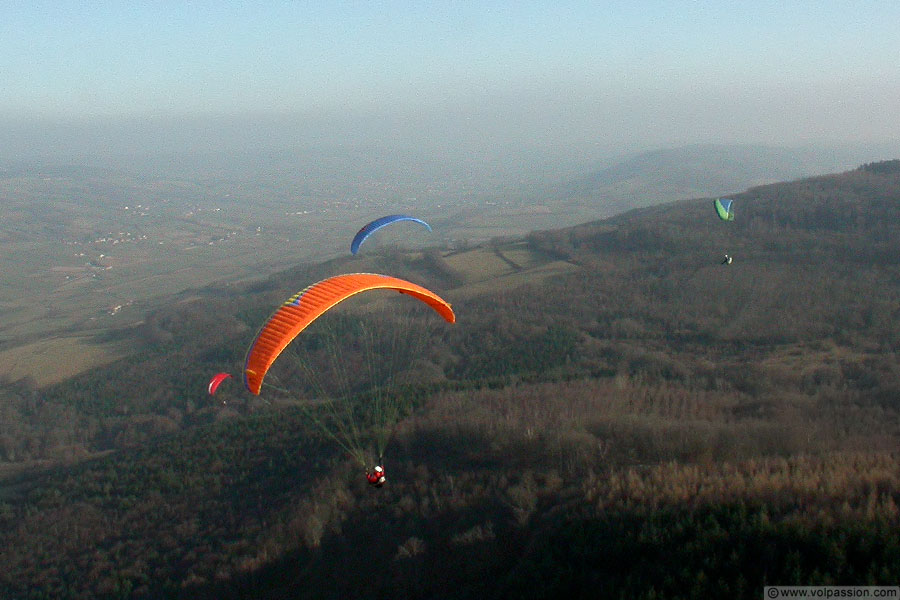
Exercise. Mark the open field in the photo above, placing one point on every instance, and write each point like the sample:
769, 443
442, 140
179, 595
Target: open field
488, 270
52, 360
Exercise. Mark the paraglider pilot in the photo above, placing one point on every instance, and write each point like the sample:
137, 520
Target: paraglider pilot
375, 477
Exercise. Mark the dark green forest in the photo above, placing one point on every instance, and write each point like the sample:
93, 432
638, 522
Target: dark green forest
647, 423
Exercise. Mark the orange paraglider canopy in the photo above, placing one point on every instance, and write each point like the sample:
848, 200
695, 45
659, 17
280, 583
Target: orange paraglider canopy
307, 305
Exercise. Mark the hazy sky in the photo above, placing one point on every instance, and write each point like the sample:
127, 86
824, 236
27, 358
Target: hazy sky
567, 79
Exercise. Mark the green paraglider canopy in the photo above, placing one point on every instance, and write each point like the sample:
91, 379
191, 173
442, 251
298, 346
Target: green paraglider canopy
723, 209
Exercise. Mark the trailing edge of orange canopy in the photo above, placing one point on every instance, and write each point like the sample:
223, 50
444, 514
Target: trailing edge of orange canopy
306, 306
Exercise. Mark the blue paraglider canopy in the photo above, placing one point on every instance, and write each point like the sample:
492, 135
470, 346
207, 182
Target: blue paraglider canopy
377, 224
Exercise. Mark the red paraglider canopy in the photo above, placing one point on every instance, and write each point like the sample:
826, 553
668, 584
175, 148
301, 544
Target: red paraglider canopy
216, 381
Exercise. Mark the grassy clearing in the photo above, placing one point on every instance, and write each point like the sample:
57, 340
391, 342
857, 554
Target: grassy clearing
479, 264
486, 272
512, 279
523, 256
53, 360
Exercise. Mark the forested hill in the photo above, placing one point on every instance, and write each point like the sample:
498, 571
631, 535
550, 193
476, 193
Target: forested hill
614, 410
857, 207
701, 170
